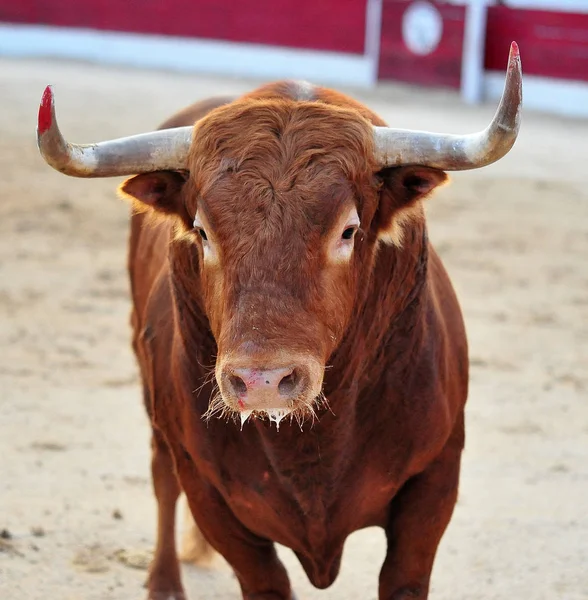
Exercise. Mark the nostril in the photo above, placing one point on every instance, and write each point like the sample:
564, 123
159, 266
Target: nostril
238, 385
288, 383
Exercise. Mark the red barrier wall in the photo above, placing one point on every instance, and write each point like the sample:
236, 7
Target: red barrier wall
552, 44
335, 25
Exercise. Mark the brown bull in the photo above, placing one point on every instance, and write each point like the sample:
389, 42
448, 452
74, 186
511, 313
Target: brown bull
282, 278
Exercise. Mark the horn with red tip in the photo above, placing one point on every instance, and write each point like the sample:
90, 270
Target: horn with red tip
165, 149
395, 147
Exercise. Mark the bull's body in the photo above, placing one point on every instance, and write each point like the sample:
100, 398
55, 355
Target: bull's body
286, 248
386, 452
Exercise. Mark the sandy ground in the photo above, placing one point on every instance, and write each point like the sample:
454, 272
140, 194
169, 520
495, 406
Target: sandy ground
75, 495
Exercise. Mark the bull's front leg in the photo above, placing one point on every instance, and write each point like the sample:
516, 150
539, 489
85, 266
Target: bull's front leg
419, 515
254, 560
164, 581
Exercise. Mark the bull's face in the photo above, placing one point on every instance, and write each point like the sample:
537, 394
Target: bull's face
277, 232
284, 208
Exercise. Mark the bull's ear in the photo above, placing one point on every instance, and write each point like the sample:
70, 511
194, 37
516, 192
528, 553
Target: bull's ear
403, 189
160, 191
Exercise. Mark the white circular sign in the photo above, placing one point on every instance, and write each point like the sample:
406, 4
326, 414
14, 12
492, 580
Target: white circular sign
422, 27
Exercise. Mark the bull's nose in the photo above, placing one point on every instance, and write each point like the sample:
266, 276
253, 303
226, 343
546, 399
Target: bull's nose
262, 389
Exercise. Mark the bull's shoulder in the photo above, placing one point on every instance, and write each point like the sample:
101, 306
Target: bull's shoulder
449, 331
443, 299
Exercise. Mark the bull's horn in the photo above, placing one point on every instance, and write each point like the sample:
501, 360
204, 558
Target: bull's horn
166, 149
395, 147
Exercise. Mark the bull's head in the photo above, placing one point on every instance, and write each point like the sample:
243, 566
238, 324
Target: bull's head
279, 206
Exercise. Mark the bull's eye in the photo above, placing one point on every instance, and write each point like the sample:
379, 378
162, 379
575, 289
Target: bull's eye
206, 245
349, 233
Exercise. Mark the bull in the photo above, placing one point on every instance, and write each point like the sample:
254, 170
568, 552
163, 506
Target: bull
282, 280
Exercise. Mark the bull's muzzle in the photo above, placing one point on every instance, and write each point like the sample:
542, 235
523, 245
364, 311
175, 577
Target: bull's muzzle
246, 386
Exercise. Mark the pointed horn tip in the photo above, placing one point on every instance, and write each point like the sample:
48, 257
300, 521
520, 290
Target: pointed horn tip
45, 119
514, 57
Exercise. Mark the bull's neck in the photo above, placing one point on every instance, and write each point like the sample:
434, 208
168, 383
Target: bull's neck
193, 328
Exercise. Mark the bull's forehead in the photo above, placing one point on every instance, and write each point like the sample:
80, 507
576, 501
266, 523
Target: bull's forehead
281, 139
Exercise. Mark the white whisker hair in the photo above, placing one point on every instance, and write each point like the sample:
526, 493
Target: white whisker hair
304, 411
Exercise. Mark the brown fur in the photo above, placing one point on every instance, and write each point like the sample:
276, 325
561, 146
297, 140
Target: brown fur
272, 172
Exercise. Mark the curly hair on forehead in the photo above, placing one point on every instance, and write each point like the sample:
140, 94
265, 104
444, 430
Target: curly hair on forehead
281, 135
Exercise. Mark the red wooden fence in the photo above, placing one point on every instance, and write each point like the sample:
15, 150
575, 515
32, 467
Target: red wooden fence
553, 44
335, 25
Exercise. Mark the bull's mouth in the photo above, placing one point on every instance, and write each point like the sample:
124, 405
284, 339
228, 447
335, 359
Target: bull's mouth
275, 415
300, 413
